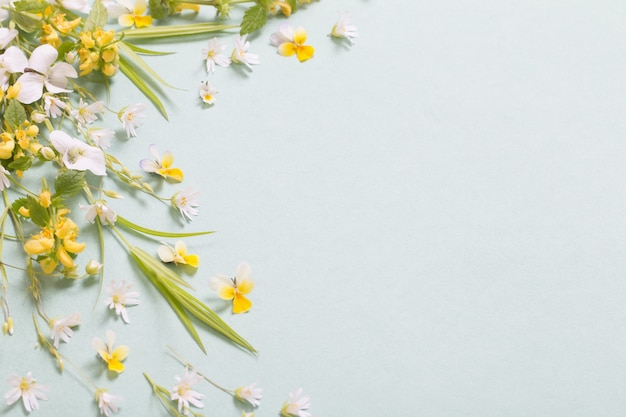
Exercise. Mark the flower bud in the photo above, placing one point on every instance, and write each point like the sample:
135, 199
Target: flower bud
47, 153
93, 267
37, 117
113, 194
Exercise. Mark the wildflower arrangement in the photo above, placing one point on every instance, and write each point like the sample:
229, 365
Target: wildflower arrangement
52, 135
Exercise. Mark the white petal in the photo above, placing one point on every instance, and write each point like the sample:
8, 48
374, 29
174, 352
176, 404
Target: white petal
15, 60
32, 87
243, 271
42, 58
219, 281
166, 253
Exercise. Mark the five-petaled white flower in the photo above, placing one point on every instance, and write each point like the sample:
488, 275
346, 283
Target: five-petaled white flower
345, 29
102, 211
121, 296
132, 117
6, 36
107, 402
27, 389
183, 393
4, 178
78, 155
186, 202
53, 106
102, 137
213, 55
61, 328
40, 70
241, 55
297, 405
207, 92
249, 393
86, 113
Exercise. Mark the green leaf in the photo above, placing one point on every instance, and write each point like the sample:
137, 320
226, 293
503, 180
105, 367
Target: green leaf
144, 51
157, 9
21, 164
69, 183
15, 113
132, 226
253, 19
31, 6
38, 214
97, 18
17, 204
28, 22
168, 31
293, 4
139, 82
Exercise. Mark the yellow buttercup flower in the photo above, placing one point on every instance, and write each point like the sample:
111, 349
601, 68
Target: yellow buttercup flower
235, 288
113, 357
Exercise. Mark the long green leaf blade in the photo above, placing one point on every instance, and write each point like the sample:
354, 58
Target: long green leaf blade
141, 85
133, 226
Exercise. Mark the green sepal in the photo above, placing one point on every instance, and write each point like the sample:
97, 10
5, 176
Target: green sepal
253, 19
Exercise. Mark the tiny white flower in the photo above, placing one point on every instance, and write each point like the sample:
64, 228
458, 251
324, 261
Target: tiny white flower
183, 393
249, 393
102, 137
4, 178
297, 405
132, 117
213, 55
6, 36
78, 155
121, 296
86, 113
27, 389
107, 402
53, 106
43, 71
102, 211
344, 28
207, 92
186, 202
241, 55
61, 328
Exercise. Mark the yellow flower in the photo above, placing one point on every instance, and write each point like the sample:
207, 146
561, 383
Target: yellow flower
50, 36
161, 166
178, 254
45, 199
41, 243
7, 144
281, 6
87, 39
47, 265
235, 288
136, 16
112, 357
63, 25
291, 42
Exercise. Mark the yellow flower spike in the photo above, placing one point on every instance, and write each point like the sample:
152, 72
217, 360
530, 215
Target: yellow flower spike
112, 357
64, 257
45, 199
235, 288
87, 40
7, 144
50, 36
41, 243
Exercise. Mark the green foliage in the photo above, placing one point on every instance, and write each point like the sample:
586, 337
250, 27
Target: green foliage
38, 214
31, 6
15, 113
97, 18
69, 183
293, 4
21, 164
253, 19
157, 9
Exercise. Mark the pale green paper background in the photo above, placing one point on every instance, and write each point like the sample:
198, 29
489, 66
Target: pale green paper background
434, 218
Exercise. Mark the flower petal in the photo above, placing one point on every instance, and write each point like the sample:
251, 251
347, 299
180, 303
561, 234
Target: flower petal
166, 253
305, 52
42, 58
241, 304
245, 286
31, 87
287, 49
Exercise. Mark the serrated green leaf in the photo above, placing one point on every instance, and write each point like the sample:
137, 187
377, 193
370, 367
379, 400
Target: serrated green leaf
21, 164
157, 9
31, 6
97, 18
253, 19
69, 183
38, 214
15, 113
17, 204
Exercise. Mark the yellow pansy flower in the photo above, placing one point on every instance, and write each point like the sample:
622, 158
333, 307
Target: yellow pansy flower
112, 356
178, 254
235, 288
161, 165
134, 14
290, 42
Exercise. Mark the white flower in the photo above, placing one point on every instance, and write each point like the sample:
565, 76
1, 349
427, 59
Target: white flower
107, 402
61, 328
53, 106
186, 202
86, 113
207, 92
12, 61
102, 137
6, 36
249, 393
297, 405
78, 155
213, 55
344, 28
132, 117
4, 179
120, 296
42, 71
285, 33
27, 389
241, 55
183, 393
106, 215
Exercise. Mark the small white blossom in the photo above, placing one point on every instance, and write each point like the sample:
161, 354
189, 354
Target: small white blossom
62, 328
106, 214
101, 136
4, 178
132, 117
53, 106
27, 389
107, 402
297, 405
77, 154
121, 296
249, 393
186, 202
183, 393
344, 28
213, 55
207, 92
86, 113
241, 55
